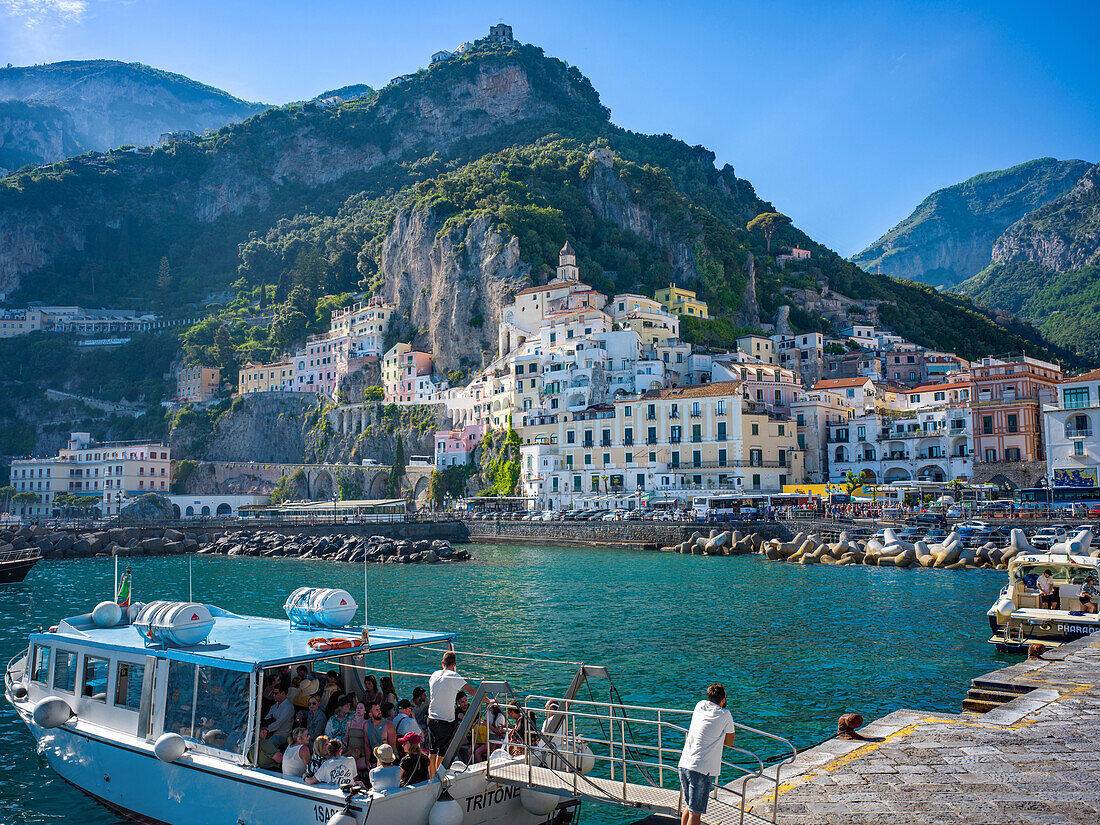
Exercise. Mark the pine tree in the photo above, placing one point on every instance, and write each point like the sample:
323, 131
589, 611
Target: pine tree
164, 275
263, 295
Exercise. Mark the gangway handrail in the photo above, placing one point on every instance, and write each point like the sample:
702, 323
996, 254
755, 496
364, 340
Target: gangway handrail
9, 680
544, 749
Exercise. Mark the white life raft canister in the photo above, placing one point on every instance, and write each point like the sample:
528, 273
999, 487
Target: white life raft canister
182, 624
320, 607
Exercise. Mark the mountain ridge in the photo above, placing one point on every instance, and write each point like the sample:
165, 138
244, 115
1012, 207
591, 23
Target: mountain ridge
504, 143
112, 103
950, 235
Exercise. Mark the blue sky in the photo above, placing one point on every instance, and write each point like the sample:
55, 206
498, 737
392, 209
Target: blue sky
843, 115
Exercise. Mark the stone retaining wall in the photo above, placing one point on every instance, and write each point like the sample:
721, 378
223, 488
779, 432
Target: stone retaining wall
635, 535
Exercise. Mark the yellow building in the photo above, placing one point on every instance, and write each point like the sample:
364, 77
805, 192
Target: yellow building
265, 377
197, 384
668, 442
113, 472
681, 302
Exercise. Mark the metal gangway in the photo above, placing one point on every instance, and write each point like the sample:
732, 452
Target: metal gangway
626, 755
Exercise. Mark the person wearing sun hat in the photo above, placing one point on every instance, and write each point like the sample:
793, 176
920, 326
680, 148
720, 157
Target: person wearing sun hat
414, 767
387, 776
302, 687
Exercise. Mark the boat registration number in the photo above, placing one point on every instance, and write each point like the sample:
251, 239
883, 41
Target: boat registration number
323, 813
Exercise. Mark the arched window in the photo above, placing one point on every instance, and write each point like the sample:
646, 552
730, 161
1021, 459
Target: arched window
224, 510
205, 510
190, 510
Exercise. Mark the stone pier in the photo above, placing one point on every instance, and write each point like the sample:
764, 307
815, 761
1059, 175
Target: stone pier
1035, 758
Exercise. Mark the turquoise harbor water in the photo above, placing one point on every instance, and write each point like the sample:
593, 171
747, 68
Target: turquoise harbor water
795, 646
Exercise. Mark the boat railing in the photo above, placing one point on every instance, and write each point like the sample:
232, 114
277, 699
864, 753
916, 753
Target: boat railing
16, 669
633, 747
22, 554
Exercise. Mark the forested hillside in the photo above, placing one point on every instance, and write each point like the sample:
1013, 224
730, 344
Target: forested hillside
451, 188
1046, 268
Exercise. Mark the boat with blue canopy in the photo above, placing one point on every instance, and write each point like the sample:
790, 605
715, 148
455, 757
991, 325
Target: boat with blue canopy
156, 711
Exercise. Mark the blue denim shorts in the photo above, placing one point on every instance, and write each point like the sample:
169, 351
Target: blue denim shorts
695, 786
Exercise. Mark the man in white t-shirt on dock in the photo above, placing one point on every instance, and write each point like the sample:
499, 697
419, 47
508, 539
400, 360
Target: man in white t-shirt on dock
700, 763
443, 689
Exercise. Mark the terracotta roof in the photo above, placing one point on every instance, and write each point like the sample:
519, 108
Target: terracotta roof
712, 390
1088, 376
829, 383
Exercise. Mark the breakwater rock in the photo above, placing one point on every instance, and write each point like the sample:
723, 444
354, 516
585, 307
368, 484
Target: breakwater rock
952, 553
117, 541
336, 547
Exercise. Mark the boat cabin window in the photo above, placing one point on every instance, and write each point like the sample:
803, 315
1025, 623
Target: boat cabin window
41, 671
96, 671
64, 671
128, 681
208, 705
1062, 574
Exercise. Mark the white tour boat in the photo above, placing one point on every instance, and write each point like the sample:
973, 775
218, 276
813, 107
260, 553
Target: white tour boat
154, 711
1017, 619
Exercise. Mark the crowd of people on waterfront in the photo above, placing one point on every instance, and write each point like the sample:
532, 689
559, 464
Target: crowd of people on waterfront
312, 729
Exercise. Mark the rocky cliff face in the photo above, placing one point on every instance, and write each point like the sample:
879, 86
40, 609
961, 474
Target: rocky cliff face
950, 236
1062, 236
614, 202
34, 133
112, 104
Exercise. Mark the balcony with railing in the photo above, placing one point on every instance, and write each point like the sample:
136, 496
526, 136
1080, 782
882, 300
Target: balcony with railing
1078, 432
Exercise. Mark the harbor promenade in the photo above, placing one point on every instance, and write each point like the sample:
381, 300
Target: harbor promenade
1033, 758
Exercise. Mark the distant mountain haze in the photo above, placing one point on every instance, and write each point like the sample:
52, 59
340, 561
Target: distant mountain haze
108, 103
950, 235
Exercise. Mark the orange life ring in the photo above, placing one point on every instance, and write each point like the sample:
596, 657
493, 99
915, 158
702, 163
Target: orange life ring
320, 643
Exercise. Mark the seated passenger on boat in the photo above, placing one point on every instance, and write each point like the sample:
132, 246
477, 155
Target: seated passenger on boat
337, 769
387, 776
1048, 593
1088, 595
414, 765
297, 753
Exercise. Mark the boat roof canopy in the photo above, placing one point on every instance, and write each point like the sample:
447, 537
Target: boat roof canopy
241, 643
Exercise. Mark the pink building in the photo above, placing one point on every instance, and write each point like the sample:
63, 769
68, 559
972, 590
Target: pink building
316, 365
407, 376
453, 448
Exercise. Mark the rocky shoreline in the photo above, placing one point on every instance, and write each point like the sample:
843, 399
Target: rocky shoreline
134, 541
337, 547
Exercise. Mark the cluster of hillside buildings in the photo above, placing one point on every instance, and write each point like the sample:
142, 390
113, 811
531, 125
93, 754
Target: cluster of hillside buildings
78, 320
608, 400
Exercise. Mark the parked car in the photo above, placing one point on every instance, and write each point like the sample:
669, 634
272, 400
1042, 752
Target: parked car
1094, 511
926, 519
911, 534
1046, 537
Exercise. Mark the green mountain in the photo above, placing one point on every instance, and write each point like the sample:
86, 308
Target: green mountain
1046, 268
447, 192
111, 104
949, 237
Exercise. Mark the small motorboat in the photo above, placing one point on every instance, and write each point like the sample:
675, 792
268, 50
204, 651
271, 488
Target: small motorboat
1018, 620
16, 564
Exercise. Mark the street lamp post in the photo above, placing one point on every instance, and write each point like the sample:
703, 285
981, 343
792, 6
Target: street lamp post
118, 507
335, 498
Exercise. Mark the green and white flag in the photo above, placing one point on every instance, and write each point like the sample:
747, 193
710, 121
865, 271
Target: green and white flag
123, 598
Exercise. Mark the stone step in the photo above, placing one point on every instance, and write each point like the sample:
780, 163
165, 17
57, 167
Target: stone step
999, 696
978, 706
1001, 687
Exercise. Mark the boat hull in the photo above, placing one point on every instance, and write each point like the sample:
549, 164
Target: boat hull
12, 572
192, 791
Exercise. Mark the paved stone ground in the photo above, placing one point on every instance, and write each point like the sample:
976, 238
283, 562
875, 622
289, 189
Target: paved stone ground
1033, 760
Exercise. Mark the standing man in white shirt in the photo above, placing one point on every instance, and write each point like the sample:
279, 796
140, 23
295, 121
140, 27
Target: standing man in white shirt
700, 763
443, 688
